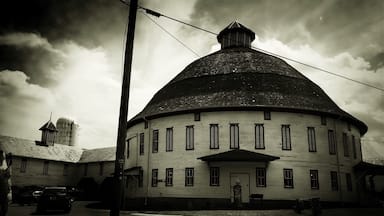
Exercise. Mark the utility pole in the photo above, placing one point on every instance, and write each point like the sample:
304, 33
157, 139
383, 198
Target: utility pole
122, 130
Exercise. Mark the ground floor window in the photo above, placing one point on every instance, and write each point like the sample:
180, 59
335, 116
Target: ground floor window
214, 176
348, 179
141, 178
189, 174
169, 177
334, 181
155, 175
288, 178
314, 177
261, 177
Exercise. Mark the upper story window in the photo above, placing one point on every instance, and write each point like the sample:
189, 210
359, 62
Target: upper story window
141, 140
334, 181
323, 120
128, 148
85, 169
101, 168
234, 136
169, 140
189, 174
349, 126
213, 136
155, 141
197, 116
45, 167
286, 137
345, 145
267, 115
168, 176
354, 147
23, 165
214, 176
259, 136
288, 178
190, 138
261, 177
155, 177
145, 124
65, 170
311, 139
331, 142
314, 178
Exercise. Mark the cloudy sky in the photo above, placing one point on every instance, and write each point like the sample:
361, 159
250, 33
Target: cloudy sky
66, 56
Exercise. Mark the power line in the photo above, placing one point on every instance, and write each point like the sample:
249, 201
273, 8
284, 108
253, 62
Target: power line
157, 14
170, 34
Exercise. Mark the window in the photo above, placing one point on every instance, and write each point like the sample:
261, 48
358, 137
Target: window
189, 144
331, 142
155, 141
189, 174
311, 139
128, 148
23, 165
45, 167
323, 120
349, 126
168, 176
214, 136
197, 116
286, 137
85, 169
345, 145
314, 177
141, 143
169, 140
267, 115
334, 181
261, 177
214, 176
65, 169
259, 136
155, 177
348, 179
101, 168
288, 178
354, 147
234, 136
141, 178
145, 124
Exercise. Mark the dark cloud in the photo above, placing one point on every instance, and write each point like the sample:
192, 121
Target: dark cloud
88, 23
332, 26
37, 63
377, 61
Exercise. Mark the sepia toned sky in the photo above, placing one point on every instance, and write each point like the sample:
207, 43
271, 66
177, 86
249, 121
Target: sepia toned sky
65, 57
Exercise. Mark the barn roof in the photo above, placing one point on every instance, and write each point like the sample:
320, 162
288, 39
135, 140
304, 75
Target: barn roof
28, 148
241, 78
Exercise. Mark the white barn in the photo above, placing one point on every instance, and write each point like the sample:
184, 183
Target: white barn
240, 115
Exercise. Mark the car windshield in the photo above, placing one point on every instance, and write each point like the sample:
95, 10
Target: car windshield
55, 192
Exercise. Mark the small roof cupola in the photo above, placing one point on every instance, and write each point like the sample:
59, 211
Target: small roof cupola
235, 35
48, 134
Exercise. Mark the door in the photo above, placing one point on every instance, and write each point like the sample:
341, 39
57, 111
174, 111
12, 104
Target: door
243, 180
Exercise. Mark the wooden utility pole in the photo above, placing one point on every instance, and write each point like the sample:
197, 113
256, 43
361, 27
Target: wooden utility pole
122, 130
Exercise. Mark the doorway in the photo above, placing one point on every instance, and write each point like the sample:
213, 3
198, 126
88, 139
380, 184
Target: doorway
243, 179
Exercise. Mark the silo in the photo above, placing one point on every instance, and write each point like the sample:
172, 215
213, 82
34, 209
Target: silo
67, 132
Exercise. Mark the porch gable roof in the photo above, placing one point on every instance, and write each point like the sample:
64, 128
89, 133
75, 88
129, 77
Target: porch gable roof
239, 155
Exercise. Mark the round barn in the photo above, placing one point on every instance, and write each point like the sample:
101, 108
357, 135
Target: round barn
241, 117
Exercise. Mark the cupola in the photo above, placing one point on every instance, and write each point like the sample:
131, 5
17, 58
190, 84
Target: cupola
235, 35
48, 134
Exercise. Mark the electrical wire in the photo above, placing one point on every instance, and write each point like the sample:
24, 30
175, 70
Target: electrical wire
157, 14
170, 34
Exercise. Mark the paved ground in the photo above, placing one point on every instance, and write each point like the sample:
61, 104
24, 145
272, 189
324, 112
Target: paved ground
79, 209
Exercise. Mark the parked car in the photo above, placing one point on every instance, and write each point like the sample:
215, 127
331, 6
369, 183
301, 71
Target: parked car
54, 198
28, 195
